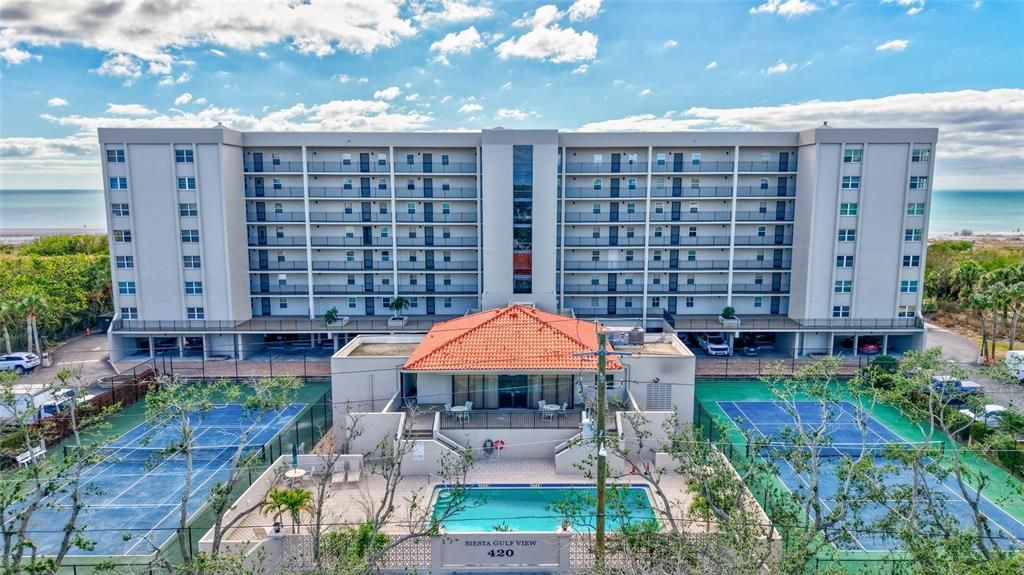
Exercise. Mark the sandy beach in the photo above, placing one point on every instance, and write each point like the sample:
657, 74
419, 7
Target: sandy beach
1013, 240
15, 236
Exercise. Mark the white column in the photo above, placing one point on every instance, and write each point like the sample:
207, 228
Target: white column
309, 235
835, 233
179, 265
394, 222
561, 235
901, 239
732, 222
860, 228
885, 344
152, 350
647, 231
479, 232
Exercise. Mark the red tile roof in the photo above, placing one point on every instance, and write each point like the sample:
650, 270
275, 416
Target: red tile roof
513, 338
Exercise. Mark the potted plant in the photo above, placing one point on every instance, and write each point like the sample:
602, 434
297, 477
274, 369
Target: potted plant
728, 317
398, 304
331, 315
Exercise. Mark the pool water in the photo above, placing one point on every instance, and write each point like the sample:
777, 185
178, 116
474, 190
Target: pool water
490, 509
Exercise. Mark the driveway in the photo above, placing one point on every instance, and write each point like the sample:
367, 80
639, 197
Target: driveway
964, 352
87, 353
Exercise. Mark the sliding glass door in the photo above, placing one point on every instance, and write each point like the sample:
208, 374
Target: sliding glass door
519, 391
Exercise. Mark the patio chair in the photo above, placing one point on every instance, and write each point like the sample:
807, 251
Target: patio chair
469, 405
448, 408
565, 408
540, 404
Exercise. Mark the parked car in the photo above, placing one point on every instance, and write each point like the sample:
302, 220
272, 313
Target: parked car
992, 416
714, 344
949, 385
20, 362
869, 346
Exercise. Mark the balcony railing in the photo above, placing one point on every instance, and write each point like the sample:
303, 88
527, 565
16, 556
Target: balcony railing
280, 290
606, 167
436, 168
584, 192
336, 266
700, 241
688, 167
691, 192
511, 419
344, 289
690, 289
275, 216
347, 167
274, 266
761, 192
571, 266
466, 289
286, 241
769, 216
438, 266
718, 216
591, 289
767, 166
578, 217
458, 242
373, 216
699, 265
619, 311
454, 193
343, 192
620, 241
786, 240
761, 265
341, 241
437, 217
271, 192
270, 166
760, 288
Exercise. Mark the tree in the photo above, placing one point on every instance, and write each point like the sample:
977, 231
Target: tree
7, 319
292, 501
398, 304
32, 304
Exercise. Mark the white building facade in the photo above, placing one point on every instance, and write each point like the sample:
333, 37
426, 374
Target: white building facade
223, 240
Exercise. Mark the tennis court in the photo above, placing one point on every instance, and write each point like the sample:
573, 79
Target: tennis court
132, 497
773, 421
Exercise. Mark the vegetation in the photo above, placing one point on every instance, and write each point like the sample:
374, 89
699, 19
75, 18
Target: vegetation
54, 286
399, 304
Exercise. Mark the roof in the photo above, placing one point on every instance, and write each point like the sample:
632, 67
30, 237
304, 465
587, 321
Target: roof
513, 338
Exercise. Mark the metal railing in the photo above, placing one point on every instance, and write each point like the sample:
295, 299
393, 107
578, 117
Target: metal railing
437, 242
698, 241
690, 167
292, 217
584, 192
761, 265
705, 265
719, 216
455, 193
606, 167
769, 216
762, 192
511, 419
759, 288
279, 290
464, 266
340, 241
463, 289
354, 217
275, 266
767, 166
576, 217
347, 193
437, 217
347, 167
601, 242
571, 266
274, 241
271, 192
785, 240
588, 289
272, 166
436, 168
690, 289
691, 192
332, 265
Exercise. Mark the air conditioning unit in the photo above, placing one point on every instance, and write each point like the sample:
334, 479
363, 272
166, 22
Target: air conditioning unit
636, 336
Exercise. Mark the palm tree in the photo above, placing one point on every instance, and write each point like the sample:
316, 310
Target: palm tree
32, 305
7, 313
291, 501
399, 304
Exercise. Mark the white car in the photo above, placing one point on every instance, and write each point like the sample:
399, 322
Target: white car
714, 344
19, 362
992, 415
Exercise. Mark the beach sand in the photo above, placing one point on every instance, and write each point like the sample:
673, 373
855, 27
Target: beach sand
1012, 240
15, 236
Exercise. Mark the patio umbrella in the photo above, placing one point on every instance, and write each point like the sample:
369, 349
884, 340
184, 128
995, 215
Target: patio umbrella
295, 455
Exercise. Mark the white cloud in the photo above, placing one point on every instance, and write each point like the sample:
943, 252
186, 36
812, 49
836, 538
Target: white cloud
412, 97
56, 102
515, 114
15, 56
262, 54
462, 43
343, 78
363, 80
217, 52
581, 69
172, 81
387, 93
547, 41
645, 92
506, 86
785, 8
470, 108
129, 110
893, 46
913, 6
183, 99
446, 99
979, 131
670, 44
779, 68
152, 32
449, 12
121, 66
584, 10
199, 101
711, 65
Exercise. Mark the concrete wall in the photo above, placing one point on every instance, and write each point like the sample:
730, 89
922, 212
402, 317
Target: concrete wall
519, 443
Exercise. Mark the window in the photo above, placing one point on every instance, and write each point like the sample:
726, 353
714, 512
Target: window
385, 256
186, 183
689, 302
596, 208
692, 231
189, 236
594, 281
913, 235
446, 208
630, 232
382, 184
115, 156
119, 209
193, 288
445, 159
129, 313
762, 231
196, 313
657, 255
191, 210
851, 182
630, 208
595, 233
410, 159
847, 235
907, 311
840, 311
632, 158
346, 183
694, 207
631, 183
694, 183
447, 303
279, 208
764, 183
126, 288
844, 286
598, 158
384, 232
183, 156
595, 256
350, 256
382, 161
282, 303
915, 209
629, 255
691, 255
657, 231
279, 232
410, 207
446, 256
446, 185
346, 159
908, 286
350, 232
123, 236
659, 207
852, 155
410, 184
655, 302
844, 261
382, 209
918, 182
660, 158
118, 183
597, 184
125, 262
758, 301
194, 262
848, 209
695, 158
921, 155
911, 261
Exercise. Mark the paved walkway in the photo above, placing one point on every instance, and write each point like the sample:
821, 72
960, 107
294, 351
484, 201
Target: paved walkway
964, 352
86, 353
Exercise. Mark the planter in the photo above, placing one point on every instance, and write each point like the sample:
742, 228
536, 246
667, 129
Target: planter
730, 322
397, 321
340, 322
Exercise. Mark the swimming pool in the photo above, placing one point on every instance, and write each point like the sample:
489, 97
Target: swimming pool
541, 508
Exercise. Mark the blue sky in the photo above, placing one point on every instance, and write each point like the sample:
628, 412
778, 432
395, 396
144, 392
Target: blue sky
68, 68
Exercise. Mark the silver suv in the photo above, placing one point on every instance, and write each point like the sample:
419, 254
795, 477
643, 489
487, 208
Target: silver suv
19, 362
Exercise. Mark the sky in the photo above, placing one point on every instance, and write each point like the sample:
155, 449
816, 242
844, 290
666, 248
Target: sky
70, 66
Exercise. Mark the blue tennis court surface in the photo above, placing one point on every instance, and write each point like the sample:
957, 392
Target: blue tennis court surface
134, 492
771, 420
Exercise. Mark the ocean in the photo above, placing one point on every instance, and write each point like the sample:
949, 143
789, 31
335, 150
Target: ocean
980, 211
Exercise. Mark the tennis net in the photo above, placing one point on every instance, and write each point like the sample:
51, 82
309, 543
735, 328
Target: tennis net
895, 450
158, 454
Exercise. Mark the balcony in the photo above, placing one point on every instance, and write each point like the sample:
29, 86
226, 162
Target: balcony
280, 290
691, 192
347, 167
606, 167
695, 265
436, 168
275, 216
588, 266
719, 216
450, 289
437, 217
584, 192
690, 167
345, 289
761, 265
759, 288
271, 192
453, 193
584, 217
596, 312
603, 242
772, 166
765, 192
274, 166
343, 192
591, 289
438, 266
690, 289
339, 266
335, 217
769, 216
438, 242
274, 241
277, 266
701, 241
785, 240
353, 242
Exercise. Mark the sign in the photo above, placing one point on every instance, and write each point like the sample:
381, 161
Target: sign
499, 551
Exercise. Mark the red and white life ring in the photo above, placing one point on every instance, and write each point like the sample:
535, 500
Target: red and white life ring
499, 444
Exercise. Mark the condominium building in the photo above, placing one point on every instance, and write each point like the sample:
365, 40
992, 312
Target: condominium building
223, 240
